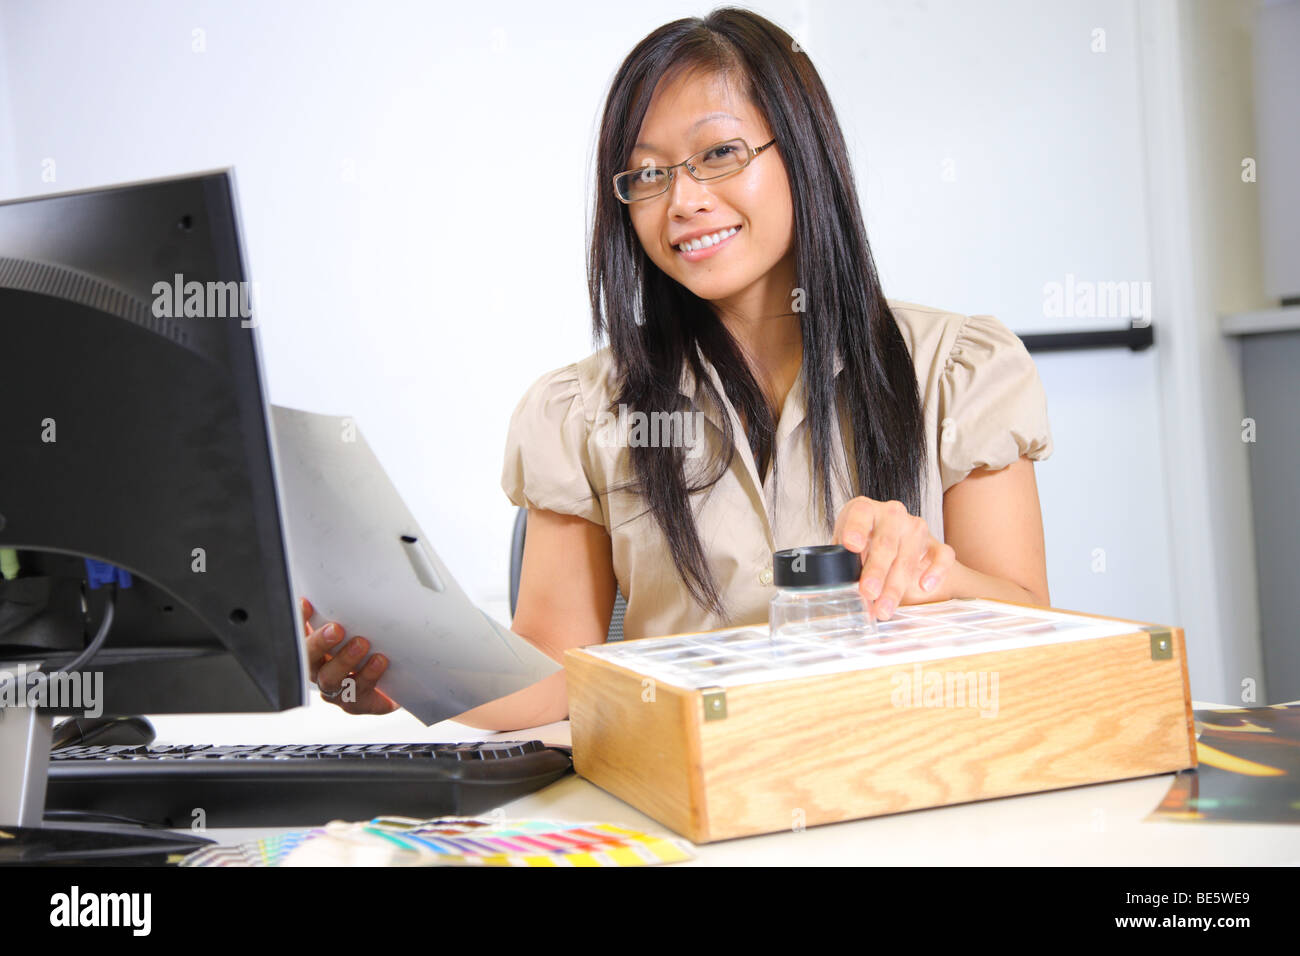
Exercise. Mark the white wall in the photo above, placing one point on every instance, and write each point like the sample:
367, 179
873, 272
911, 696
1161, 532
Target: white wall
405, 283
7, 154
995, 150
1277, 77
1196, 91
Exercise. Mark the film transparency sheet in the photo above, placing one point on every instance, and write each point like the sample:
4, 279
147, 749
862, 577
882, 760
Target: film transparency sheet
920, 632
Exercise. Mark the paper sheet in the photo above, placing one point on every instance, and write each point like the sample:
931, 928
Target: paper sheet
358, 555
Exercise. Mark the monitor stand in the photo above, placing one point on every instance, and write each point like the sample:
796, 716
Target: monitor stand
25, 736
26, 837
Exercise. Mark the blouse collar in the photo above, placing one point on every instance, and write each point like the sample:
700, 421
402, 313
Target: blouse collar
686, 384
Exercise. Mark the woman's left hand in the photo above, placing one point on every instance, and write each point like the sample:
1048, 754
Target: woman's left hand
903, 563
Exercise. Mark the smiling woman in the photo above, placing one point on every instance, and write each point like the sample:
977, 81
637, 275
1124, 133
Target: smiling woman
730, 272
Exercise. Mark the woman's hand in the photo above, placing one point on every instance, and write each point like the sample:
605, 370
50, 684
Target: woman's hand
329, 670
903, 563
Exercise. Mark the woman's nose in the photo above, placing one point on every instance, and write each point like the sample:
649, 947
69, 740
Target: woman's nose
686, 196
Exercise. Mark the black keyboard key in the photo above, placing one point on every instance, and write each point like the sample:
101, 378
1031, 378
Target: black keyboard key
501, 748
299, 785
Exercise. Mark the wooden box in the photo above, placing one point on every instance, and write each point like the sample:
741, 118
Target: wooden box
722, 734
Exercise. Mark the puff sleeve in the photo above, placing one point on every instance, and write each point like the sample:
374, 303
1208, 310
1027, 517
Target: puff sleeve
547, 460
992, 406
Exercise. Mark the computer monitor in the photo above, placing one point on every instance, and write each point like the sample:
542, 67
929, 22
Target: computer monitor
136, 469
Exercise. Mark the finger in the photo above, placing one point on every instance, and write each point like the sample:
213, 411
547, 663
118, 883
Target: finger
904, 572
886, 538
341, 664
365, 697
943, 557
367, 676
854, 525
319, 643
373, 702
307, 612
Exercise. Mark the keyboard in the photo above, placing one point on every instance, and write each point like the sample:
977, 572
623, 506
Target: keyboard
296, 785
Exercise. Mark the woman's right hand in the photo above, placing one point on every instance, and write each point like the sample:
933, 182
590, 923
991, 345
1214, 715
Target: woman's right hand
330, 661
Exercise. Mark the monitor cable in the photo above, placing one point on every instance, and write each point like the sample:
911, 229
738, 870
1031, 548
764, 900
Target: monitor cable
86, 656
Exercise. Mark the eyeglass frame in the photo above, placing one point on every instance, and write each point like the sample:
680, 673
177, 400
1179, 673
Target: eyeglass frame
752, 154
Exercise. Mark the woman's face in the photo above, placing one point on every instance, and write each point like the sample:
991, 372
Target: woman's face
694, 111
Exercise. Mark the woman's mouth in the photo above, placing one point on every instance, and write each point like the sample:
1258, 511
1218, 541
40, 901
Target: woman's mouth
706, 246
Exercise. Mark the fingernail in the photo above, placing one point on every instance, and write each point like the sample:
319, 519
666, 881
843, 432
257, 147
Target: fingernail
377, 664
929, 582
356, 649
331, 632
872, 587
885, 608
853, 540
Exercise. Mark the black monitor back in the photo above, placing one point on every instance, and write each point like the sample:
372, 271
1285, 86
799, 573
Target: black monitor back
141, 439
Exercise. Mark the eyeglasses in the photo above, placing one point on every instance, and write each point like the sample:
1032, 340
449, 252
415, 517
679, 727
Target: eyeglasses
715, 162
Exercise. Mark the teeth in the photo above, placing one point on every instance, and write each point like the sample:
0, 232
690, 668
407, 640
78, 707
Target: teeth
705, 241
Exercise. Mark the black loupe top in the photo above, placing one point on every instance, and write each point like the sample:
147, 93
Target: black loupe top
821, 566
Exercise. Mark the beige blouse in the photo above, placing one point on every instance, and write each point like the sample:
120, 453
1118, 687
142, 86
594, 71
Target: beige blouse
984, 406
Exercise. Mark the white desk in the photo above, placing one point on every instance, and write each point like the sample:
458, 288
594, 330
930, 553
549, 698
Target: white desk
1100, 825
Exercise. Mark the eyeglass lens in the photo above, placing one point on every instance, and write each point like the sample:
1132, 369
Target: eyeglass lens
711, 163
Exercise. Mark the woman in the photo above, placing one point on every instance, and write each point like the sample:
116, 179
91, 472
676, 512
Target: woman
906, 434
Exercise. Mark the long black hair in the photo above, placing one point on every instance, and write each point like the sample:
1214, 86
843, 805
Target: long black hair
654, 324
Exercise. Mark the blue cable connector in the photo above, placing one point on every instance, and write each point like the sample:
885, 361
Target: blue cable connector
101, 573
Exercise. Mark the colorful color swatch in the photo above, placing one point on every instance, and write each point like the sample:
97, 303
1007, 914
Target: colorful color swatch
451, 841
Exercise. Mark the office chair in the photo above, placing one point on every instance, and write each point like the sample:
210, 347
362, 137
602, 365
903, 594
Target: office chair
517, 562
